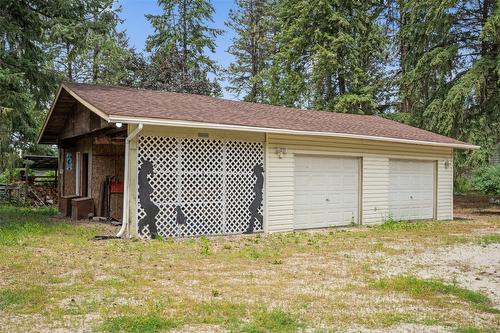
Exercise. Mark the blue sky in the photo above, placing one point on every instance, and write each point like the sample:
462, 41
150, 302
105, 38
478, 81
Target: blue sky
138, 27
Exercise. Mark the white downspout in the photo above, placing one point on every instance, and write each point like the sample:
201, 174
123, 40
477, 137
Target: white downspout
125, 181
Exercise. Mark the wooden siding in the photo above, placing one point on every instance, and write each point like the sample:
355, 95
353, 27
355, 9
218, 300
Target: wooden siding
80, 121
375, 174
107, 160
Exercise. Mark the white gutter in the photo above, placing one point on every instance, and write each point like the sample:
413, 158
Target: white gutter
195, 124
125, 181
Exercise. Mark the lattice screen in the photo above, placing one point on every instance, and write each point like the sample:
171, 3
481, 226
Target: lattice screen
211, 180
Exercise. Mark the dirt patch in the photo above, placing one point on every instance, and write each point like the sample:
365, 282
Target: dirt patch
471, 266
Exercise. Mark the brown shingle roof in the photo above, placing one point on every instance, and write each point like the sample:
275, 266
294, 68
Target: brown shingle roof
139, 103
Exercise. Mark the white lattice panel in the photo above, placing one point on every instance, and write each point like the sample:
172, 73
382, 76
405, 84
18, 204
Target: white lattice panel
211, 180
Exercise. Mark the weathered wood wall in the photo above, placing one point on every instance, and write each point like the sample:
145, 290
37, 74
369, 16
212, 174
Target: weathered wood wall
107, 160
81, 121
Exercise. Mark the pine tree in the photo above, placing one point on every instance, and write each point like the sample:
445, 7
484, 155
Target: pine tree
452, 78
330, 55
179, 61
26, 79
252, 47
88, 46
42, 42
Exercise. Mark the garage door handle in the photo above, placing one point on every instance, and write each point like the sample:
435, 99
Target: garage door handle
411, 197
327, 199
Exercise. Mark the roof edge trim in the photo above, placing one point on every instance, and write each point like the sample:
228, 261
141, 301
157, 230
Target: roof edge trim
49, 114
78, 98
194, 124
86, 104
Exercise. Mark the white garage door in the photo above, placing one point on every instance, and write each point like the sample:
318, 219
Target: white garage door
326, 191
411, 189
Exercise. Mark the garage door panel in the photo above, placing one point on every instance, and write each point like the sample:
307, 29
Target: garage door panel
332, 191
411, 189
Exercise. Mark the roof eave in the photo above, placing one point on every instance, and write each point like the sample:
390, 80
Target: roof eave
193, 124
79, 99
54, 102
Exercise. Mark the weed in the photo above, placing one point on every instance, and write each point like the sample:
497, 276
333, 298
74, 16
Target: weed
277, 262
205, 246
394, 225
215, 293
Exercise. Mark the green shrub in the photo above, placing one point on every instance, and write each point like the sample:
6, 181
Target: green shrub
463, 185
487, 180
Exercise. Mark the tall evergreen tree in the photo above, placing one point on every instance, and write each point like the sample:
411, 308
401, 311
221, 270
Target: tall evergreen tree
42, 42
179, 61
88, 46
452, 81
330, 55
26, 78
252, 48
394, 19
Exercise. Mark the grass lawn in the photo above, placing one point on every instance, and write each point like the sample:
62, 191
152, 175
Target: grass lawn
424, 276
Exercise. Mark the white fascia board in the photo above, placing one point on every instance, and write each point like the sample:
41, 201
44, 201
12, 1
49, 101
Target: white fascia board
194, 124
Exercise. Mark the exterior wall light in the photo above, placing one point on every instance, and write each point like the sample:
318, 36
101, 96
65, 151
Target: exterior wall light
281, 151
119, 125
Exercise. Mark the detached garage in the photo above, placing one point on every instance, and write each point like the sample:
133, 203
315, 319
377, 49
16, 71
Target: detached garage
194, 165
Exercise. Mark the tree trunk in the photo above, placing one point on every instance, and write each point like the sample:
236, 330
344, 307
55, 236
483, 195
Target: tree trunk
254, 56
69, 66
341, 83
95, 64
184, 42
403, 54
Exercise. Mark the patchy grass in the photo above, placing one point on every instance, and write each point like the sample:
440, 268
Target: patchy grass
56, 276
431, 289
488, 239
18, 224
396, 225
271, 321
138, 324
15, 298
475, 330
